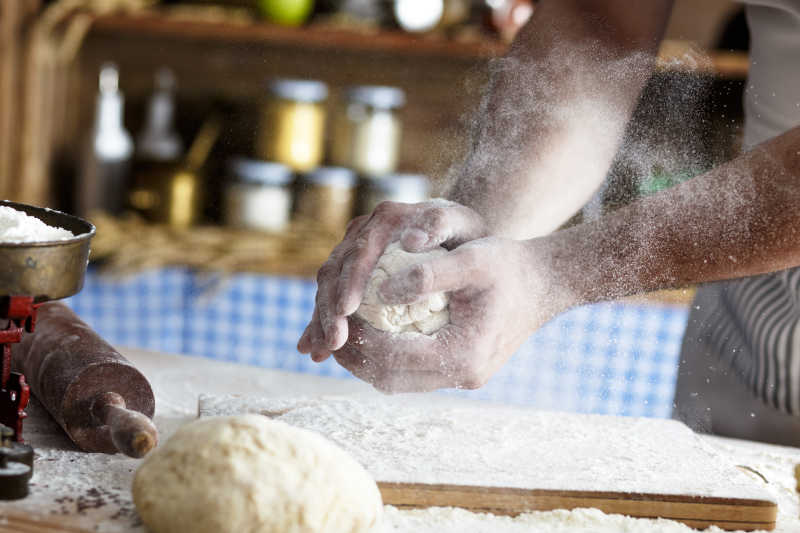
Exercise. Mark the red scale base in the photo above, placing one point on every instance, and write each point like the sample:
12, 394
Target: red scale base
14, 391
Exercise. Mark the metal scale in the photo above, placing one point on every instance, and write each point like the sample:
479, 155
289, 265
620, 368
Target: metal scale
31, 274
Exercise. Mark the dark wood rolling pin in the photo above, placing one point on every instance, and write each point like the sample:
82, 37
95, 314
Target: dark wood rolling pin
100, 399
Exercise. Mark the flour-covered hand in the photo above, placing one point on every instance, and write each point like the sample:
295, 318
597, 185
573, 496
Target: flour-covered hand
500, 292
342, 279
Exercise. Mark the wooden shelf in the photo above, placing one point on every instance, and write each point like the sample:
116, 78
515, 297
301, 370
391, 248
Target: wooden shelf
388, 41
673, 55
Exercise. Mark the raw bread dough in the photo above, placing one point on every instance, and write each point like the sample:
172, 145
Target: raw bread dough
249, 473
425, 316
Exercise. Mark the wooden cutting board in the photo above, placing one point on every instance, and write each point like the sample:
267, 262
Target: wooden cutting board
509, 461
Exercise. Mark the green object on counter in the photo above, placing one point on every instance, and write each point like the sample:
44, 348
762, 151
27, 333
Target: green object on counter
286, 12
660, 180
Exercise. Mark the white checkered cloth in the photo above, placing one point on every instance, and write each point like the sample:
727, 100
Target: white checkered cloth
614, 358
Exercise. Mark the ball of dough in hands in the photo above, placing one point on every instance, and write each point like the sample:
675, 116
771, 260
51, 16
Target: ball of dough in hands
425, 316
249, 473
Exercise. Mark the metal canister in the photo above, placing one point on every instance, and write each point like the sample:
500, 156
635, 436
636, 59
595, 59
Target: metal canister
367, 130
259, 195
326, 195
403, 188
292, 127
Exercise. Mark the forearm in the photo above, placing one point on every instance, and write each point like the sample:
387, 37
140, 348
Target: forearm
740, 219
555, 110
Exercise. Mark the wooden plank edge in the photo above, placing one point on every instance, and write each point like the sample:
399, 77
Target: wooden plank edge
745, 514
638, 496
24, 523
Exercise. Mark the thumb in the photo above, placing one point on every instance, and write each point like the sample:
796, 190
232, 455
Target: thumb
452, 271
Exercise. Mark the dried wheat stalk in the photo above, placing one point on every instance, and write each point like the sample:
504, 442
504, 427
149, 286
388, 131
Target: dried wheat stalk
128, 245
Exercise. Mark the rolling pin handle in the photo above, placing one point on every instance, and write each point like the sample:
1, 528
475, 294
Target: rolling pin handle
131, 432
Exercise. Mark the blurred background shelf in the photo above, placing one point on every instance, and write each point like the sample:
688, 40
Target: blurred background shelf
725, 64
223, 58
314, 36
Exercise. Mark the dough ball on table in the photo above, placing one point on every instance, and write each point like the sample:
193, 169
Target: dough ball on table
425, 316
248, 473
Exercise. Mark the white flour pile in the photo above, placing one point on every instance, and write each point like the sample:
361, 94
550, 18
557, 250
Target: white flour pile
452, 520
16, 226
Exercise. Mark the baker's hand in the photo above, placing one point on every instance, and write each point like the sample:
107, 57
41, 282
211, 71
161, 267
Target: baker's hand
500, 292
342, 279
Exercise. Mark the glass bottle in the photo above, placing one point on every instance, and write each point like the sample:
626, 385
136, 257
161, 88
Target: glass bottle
104, 178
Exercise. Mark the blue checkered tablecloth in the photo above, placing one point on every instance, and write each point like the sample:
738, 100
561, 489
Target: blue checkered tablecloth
614, 358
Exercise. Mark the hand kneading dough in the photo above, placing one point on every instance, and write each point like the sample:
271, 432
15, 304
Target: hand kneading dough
425, 316
248, 473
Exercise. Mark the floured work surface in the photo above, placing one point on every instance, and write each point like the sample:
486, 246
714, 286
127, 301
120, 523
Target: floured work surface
508, 461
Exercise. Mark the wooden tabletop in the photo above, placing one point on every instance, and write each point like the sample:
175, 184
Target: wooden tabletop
73, 491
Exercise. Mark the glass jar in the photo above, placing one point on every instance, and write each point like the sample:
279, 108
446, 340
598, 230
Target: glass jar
367, 132
259, 196
403, 188
292, 127
326, 196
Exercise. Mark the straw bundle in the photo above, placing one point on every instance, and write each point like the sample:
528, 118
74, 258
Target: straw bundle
128, 245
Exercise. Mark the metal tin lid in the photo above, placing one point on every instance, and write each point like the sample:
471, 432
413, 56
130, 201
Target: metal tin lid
259, 172
311, 91
331, 177
400, 184
379, 96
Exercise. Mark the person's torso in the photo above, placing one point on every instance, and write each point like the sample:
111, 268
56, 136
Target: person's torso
753, 326
772, 93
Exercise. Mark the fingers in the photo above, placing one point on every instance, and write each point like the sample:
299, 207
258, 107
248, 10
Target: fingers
342, 280
333, 326
441, 224
312, 340
360, 258
455, 270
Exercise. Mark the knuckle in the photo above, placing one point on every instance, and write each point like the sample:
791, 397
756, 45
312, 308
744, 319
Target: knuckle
471, 258
384, 208
357, 250
326, 271
436, 220
355, 223
473, 221
421, 277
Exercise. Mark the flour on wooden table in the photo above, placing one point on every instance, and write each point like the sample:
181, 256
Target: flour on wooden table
507, 447
776, 463
93, 490
78, 489
96, 487
17, 227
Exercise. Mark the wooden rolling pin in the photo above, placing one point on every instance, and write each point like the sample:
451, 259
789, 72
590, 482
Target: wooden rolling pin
100, 399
